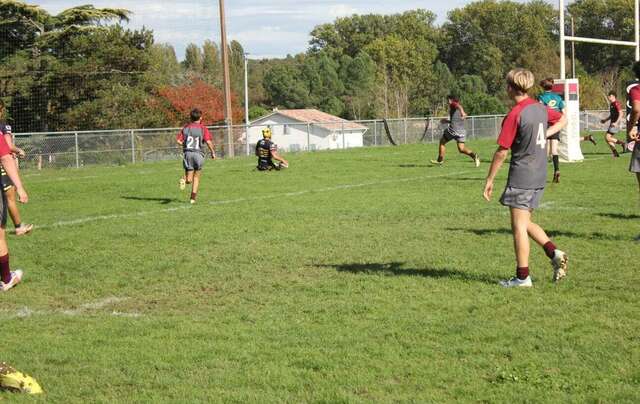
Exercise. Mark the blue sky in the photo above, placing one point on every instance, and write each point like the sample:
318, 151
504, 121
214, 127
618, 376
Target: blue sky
266, 28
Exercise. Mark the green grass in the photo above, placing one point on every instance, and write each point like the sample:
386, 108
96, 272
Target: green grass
354, 276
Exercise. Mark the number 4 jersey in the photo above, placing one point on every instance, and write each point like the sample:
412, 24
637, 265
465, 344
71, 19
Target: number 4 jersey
193, 136
524, 131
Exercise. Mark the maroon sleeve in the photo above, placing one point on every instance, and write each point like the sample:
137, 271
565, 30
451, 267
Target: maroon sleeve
634, 94
618, 105
554, 116
4, 147
509, 129
180, 136
207, 136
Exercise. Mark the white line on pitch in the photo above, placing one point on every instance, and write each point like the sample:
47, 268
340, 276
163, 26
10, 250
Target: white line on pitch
89, 219
83, 309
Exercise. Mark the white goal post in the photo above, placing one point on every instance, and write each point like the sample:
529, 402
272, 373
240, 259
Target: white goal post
570, 137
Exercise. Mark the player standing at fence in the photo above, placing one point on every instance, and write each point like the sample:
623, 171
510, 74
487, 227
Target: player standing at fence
191, 138
633, 122
614, 119
8, 278
455, 131
525, 131
267, 151
7, 185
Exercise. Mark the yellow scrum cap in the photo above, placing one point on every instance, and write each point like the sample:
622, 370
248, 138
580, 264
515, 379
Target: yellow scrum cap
266, 133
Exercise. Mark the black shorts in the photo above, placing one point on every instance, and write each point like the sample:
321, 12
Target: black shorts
267, 165
554, 137
5, 181
3, 209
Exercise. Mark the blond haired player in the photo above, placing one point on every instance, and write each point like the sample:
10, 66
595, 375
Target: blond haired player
525, 131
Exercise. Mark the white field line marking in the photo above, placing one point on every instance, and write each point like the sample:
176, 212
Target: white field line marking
89, 219
84, 309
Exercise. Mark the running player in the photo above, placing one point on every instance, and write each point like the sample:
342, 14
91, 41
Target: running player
191, 138
8, 278
267, 151
455, 131
614, 119
555, 102
633, 122
7, 185
525, 131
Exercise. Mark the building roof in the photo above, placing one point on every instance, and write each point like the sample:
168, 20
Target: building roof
318, 118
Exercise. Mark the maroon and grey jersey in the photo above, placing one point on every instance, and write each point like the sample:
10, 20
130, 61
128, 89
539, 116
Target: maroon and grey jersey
456, 122
193, 137
614, 111
524, 131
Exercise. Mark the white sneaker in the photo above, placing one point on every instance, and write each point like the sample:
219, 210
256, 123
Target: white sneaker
517, 283
16, 278
476, 160
436, 162
182, 184
559, 263
24, 229
192, 201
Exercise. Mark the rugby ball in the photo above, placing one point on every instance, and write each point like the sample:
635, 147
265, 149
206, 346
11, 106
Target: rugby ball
631, 145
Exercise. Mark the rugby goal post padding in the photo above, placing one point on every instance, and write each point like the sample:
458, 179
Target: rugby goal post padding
569, 149
388, 132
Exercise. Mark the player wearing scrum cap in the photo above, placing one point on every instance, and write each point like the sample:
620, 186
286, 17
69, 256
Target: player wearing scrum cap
525, 131
267, 151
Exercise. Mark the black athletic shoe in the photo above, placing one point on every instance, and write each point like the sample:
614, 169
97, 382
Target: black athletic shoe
556, 177
592, 140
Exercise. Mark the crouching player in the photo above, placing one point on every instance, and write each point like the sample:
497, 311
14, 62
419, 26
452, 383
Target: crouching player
525, 131
8, 278
267, 151
191, 138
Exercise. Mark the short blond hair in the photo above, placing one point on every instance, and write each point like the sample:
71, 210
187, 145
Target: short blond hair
521, 80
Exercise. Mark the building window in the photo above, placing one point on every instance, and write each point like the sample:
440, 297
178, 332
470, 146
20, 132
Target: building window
285, 130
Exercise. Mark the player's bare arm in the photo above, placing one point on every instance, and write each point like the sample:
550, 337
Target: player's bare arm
557, 127
212, 149
9, 164
632, 124
498, 160
462, 113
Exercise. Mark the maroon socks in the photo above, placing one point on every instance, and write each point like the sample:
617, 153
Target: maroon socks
5, 271
193, 196
550, 249
522, 273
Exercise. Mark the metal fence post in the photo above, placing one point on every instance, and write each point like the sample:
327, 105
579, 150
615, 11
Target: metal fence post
246, 137
77, 151
375, 132
405, 130
344, 146
586, 117
431, 126
495, 121
308, 136
473, 127
133, 147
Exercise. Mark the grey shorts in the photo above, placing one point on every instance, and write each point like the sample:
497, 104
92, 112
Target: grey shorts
3, 209
613, 130
634, 166
525, 199
193, 161
450, 134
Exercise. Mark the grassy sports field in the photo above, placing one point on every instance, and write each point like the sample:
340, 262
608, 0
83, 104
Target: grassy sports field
359, 275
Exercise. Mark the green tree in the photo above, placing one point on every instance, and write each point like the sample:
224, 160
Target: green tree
193, 59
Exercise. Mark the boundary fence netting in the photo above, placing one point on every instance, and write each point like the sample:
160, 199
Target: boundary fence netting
117, 147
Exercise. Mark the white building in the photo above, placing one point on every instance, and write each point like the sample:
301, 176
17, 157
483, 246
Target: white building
308, 129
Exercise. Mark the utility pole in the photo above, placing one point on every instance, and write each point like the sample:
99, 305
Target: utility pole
246, 101
226, 80
573, 50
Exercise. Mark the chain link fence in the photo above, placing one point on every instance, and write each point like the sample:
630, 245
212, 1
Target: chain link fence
117, 147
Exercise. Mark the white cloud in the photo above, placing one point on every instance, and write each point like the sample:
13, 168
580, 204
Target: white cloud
342, 10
